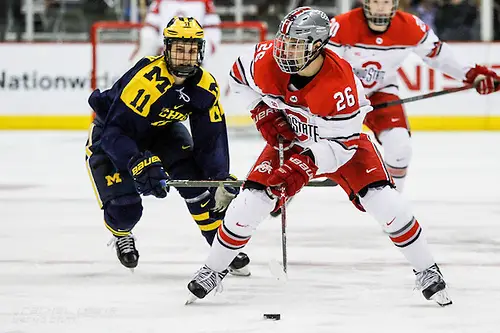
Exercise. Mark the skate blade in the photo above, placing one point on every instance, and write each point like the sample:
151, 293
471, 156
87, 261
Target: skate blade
191, 299
245, 271
442, 298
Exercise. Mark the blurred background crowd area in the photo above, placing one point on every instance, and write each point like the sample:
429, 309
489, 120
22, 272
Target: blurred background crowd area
70, 20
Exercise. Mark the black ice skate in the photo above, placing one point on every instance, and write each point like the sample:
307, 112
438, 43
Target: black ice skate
204, 281
125, 250
239, 265
432, 284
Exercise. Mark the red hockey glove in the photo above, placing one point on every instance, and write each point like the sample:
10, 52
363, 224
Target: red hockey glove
271, 124
295, 173
484, 80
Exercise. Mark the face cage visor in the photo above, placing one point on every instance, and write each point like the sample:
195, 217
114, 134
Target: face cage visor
379, 19
181, 61
292, 54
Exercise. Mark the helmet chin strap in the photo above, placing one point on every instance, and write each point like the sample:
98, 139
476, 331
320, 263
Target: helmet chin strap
184, 71
180, 71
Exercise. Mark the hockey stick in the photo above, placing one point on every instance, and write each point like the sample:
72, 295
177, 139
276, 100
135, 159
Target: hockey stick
320, 183
280, 271
235, 183
424, 96
281, 152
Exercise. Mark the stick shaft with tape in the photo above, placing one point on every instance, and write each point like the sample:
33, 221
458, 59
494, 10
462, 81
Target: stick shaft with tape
281, 152
236, 183
421, 97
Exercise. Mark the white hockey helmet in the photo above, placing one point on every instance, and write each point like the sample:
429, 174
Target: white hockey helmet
298, 33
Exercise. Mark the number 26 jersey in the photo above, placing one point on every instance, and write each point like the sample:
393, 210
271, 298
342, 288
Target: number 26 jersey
326, 114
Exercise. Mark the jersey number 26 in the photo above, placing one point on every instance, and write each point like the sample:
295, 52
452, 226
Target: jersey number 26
344, 99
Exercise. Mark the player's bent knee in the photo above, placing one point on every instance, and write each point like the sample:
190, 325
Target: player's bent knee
252, 185
123, 213
397, 146
246, 212
391, 210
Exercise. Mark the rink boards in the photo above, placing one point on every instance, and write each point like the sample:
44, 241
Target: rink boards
46, 86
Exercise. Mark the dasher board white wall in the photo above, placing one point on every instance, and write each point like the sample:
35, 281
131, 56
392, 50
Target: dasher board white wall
52, 81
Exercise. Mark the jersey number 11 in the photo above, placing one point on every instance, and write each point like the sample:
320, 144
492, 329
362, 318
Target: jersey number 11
141, 106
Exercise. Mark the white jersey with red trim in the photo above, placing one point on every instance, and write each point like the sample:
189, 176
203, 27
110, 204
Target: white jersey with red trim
326, 114
376, 57
160, 12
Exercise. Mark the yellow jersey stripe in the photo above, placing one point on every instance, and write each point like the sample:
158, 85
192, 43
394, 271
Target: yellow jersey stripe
211, 226
117, 233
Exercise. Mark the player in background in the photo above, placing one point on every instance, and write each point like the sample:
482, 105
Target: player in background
375, 40
137, 140
299, 90
162, 11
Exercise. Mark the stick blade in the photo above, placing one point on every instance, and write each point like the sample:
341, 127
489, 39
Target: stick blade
277, 270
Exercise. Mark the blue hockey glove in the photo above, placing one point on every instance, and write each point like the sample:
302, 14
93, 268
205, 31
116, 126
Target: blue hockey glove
149, 176
224, 195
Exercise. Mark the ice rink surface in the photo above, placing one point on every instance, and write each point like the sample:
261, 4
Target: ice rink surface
57, 275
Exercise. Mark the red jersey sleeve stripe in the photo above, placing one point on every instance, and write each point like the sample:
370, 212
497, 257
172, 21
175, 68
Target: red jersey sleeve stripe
436, 50
235, 73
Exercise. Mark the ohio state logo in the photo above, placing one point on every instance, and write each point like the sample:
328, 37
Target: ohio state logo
300, 125
370, 73
264, 167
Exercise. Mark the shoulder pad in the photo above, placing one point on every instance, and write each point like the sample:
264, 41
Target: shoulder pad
208, 83
146, 86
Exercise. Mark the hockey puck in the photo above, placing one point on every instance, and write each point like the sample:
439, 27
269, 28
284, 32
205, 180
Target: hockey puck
272, 316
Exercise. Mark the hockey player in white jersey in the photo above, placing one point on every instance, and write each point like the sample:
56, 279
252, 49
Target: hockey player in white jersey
375, 40
160, 12
309, 96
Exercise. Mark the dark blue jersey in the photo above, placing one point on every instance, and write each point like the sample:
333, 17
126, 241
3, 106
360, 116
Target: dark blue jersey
145, 100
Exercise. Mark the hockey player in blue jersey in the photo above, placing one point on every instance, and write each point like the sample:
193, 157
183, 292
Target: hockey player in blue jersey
137, 140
